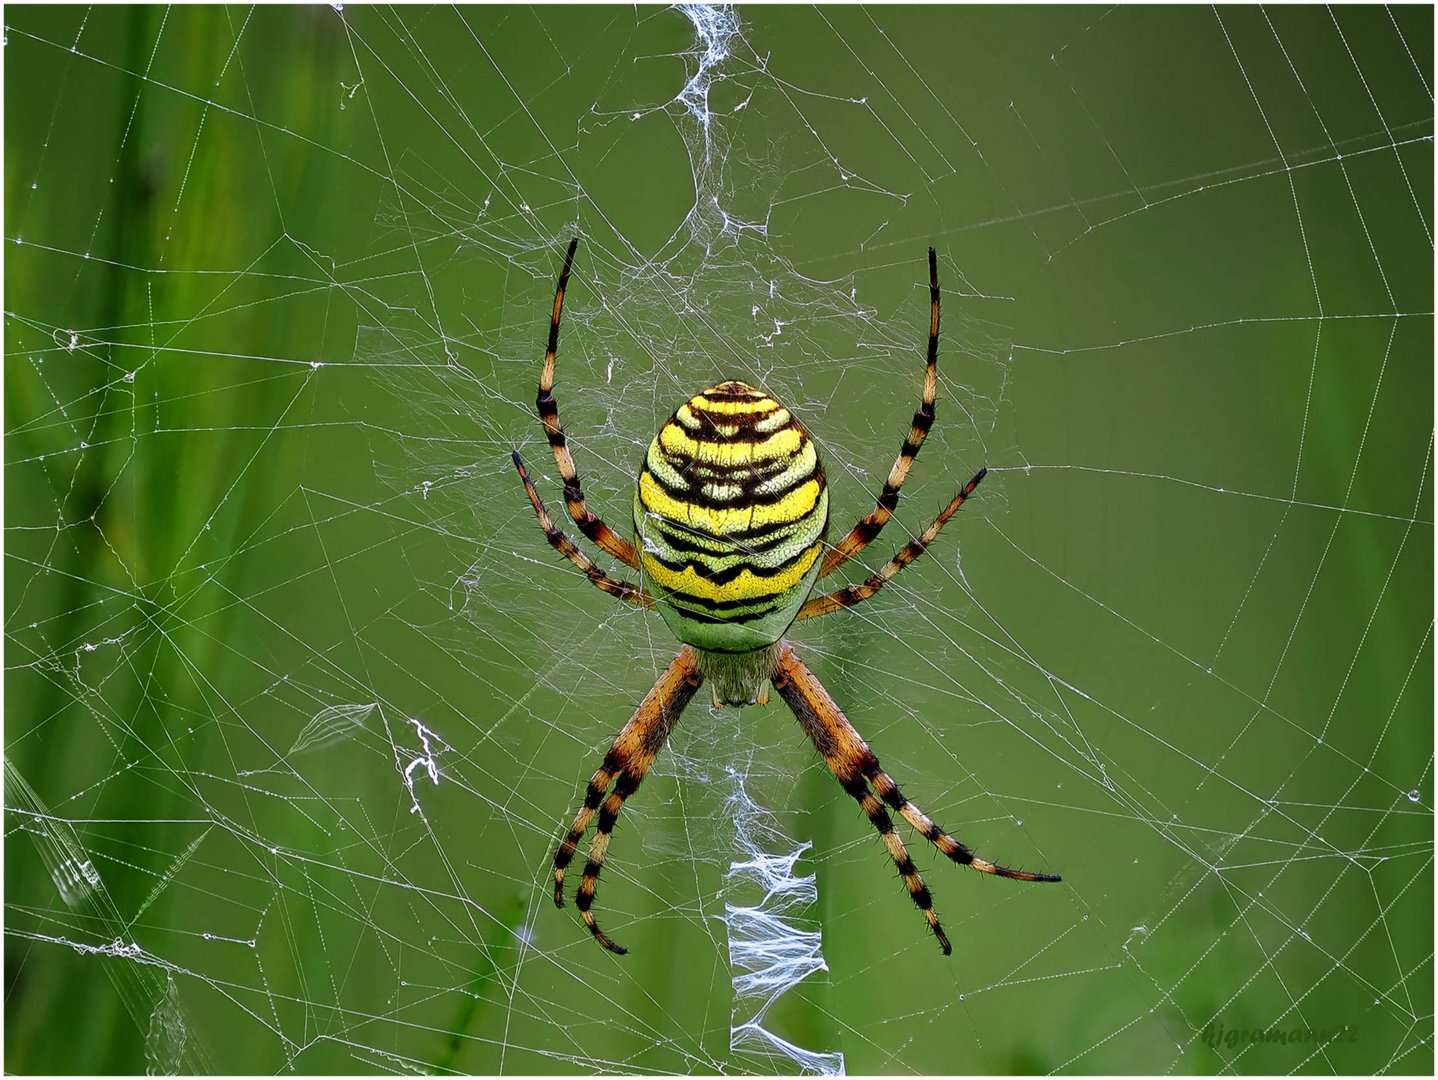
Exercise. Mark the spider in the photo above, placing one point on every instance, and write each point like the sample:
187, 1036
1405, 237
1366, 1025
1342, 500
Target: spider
731, 513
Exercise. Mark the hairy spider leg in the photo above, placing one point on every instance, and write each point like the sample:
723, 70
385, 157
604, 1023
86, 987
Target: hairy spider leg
847, 756
854, 766
623, 590
850, 595
589, 523
873, 523
628, 761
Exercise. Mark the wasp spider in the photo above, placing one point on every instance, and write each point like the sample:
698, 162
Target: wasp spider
731, 512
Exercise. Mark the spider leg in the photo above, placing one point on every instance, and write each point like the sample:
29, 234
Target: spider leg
589, 523
869, 526
628, 760
852, 762
850, 595
623, 590
954, 849
849, 758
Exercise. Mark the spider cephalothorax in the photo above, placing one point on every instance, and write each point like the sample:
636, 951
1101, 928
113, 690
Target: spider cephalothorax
731, 511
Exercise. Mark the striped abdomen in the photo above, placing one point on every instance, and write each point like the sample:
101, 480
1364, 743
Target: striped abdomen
731, 511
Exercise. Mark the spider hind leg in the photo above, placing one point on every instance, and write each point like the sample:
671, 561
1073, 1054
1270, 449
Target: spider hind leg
622, 590
869, 527
589, 523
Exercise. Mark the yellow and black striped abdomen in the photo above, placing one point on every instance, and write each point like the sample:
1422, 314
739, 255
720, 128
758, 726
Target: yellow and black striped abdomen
731, 512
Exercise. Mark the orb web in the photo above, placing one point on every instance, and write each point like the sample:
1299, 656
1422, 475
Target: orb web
299, 701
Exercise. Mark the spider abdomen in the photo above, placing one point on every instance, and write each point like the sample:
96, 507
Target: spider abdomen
731, 510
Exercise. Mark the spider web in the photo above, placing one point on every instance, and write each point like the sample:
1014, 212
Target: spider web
298, 700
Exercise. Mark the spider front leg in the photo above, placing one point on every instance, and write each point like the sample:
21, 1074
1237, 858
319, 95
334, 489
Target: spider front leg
628, 760
855, 767
848, 757
947, 845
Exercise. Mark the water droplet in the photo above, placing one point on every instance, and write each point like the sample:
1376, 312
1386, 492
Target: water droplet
1413, 795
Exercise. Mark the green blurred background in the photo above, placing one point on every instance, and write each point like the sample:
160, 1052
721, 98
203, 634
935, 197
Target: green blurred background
276, 286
